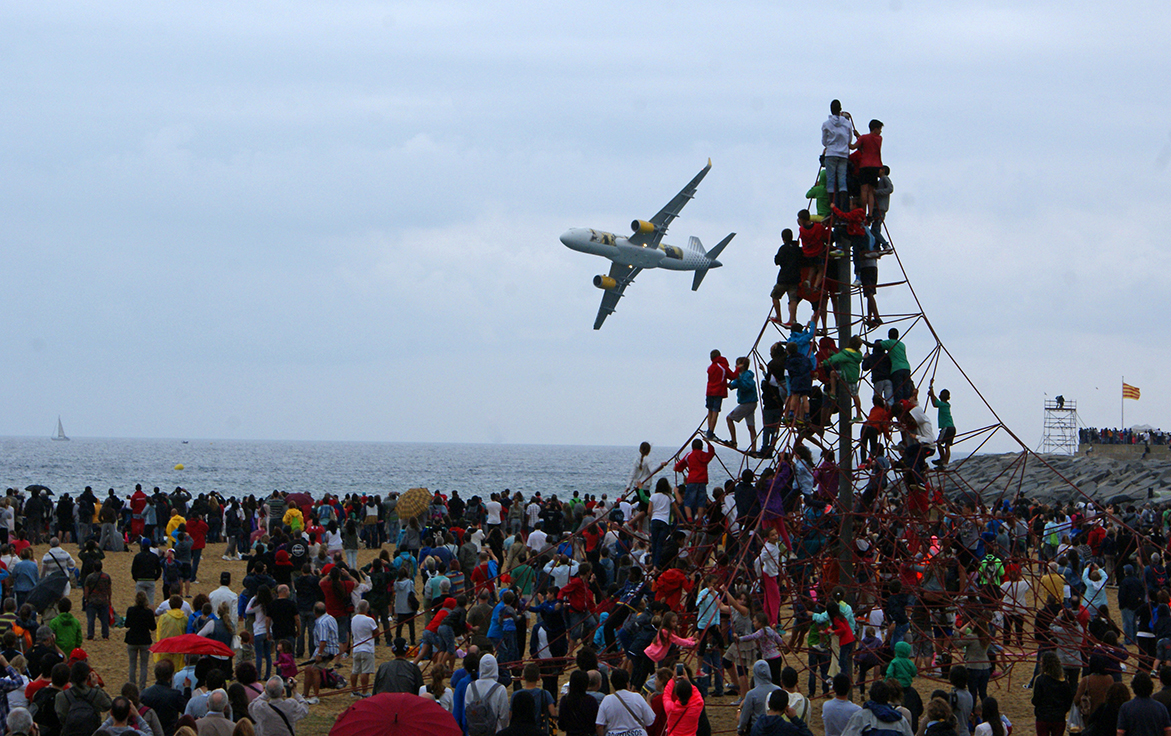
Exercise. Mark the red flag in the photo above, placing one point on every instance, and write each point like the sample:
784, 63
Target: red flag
1129, 392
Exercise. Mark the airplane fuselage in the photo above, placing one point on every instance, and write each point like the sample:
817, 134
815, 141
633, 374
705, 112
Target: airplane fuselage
620, 250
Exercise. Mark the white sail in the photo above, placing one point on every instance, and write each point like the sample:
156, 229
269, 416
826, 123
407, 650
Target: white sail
60, 431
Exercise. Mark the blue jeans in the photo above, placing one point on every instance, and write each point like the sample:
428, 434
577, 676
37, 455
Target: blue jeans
1129, 628
978, 683
196, 556
261, 645
581, 624
99, 612
900, 633
659, 532
835, 173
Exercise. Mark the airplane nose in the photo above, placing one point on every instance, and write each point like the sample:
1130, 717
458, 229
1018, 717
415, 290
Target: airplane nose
567, 237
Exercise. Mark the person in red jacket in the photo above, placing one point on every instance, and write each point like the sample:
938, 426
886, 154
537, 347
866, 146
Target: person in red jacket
197, 530
482, 577
718, 375
671, 585
579, 604
695, 465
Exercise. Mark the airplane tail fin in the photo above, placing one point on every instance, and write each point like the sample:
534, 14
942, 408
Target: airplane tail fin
714, 253
698, 278
693, 244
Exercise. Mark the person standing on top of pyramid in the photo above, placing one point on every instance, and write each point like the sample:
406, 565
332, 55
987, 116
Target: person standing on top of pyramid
837, 132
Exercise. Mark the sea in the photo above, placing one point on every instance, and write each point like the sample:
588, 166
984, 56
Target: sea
243, 467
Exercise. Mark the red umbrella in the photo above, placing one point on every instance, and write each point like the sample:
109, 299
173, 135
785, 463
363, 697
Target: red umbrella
300, 500
395, 714
191, 644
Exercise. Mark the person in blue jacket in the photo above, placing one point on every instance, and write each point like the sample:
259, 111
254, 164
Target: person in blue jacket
799, 370
746, 400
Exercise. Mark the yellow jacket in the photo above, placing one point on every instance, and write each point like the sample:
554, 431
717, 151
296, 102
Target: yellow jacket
294, 519
172, 525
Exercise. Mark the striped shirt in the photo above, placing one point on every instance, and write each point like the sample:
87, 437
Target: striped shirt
325, 631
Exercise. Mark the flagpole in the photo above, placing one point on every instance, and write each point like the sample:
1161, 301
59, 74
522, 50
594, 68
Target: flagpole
1122, 403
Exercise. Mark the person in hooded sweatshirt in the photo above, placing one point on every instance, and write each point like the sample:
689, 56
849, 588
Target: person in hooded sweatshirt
781, 720
756, 701
877, 714
487, 688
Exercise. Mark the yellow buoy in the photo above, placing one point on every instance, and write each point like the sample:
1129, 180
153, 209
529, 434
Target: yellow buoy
179, 466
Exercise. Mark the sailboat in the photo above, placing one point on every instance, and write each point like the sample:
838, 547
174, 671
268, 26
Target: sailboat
60, 432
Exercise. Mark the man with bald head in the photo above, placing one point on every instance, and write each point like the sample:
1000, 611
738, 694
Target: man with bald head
286, 617
216, 722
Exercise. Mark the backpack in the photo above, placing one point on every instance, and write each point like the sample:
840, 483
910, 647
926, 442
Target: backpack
412, 601
82, 718
479, 714
43, 711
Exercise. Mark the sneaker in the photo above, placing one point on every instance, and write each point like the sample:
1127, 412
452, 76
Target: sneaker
836, 253
356, 694
313, 701
857, 281
737, 701
225, 557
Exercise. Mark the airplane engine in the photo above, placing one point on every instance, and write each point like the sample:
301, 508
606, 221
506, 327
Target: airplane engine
642, 226
604, 282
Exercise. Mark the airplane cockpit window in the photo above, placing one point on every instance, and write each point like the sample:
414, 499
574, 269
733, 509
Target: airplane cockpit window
606, 238
673, 252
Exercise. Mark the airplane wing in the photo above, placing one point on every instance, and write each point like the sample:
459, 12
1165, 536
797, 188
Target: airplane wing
623, 275
663, 219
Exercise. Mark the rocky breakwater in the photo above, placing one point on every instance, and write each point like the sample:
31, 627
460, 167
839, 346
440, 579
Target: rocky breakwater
1099, 478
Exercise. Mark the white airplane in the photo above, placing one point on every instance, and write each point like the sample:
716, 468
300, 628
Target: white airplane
645, 249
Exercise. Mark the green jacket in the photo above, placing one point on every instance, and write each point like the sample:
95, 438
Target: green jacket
819, 193
68, 631
902, 667
848, 362
898, 354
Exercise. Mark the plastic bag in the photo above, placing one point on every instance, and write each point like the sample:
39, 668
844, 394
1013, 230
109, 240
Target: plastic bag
1074, 721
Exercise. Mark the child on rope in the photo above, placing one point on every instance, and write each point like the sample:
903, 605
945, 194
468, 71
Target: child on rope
869, 147
746, 400
695, 465
820, 195
772, 399
814, 238
800, 372
788, 259
900, 369
718, 374
947, 427
877, 426
847, 365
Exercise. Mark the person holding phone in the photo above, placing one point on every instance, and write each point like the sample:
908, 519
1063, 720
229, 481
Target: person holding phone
682, 703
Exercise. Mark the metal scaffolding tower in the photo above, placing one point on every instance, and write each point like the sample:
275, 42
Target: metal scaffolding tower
1060, 427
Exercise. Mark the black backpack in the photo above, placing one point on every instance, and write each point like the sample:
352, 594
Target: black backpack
44, 711
82, 718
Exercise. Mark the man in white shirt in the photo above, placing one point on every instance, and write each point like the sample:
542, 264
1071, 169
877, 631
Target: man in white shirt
224, 594
537, 539
836, 135
493, 508
362, 631
623, 711
533, 511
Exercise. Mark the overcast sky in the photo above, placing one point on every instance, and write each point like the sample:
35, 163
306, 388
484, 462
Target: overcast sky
340, 220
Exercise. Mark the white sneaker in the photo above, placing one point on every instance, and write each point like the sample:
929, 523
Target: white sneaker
312, 701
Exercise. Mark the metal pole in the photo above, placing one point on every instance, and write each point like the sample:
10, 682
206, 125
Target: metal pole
845, 431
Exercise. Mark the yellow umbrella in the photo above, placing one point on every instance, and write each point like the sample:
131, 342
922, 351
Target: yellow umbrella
412, 503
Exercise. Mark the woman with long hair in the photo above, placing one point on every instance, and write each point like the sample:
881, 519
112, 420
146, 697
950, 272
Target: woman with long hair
140, 622
1052, 696
578, 710
436, 690
261, 625
682, 705
994, 723
1104, 720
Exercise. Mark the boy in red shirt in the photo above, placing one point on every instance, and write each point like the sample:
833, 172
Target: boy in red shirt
695, 464
869, 149
718, 375
813, 236
877, 425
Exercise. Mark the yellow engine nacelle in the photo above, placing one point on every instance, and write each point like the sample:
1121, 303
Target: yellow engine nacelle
604, 282
642, 226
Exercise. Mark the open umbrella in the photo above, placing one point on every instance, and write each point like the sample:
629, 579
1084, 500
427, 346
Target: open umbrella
191, 644
48, 591
412, 503
37, 488
392, 714
300, 500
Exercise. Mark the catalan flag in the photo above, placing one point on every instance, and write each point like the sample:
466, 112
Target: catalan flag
1129, 392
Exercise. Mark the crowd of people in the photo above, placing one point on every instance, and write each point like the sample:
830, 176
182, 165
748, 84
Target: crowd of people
1095, 436
681, 606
